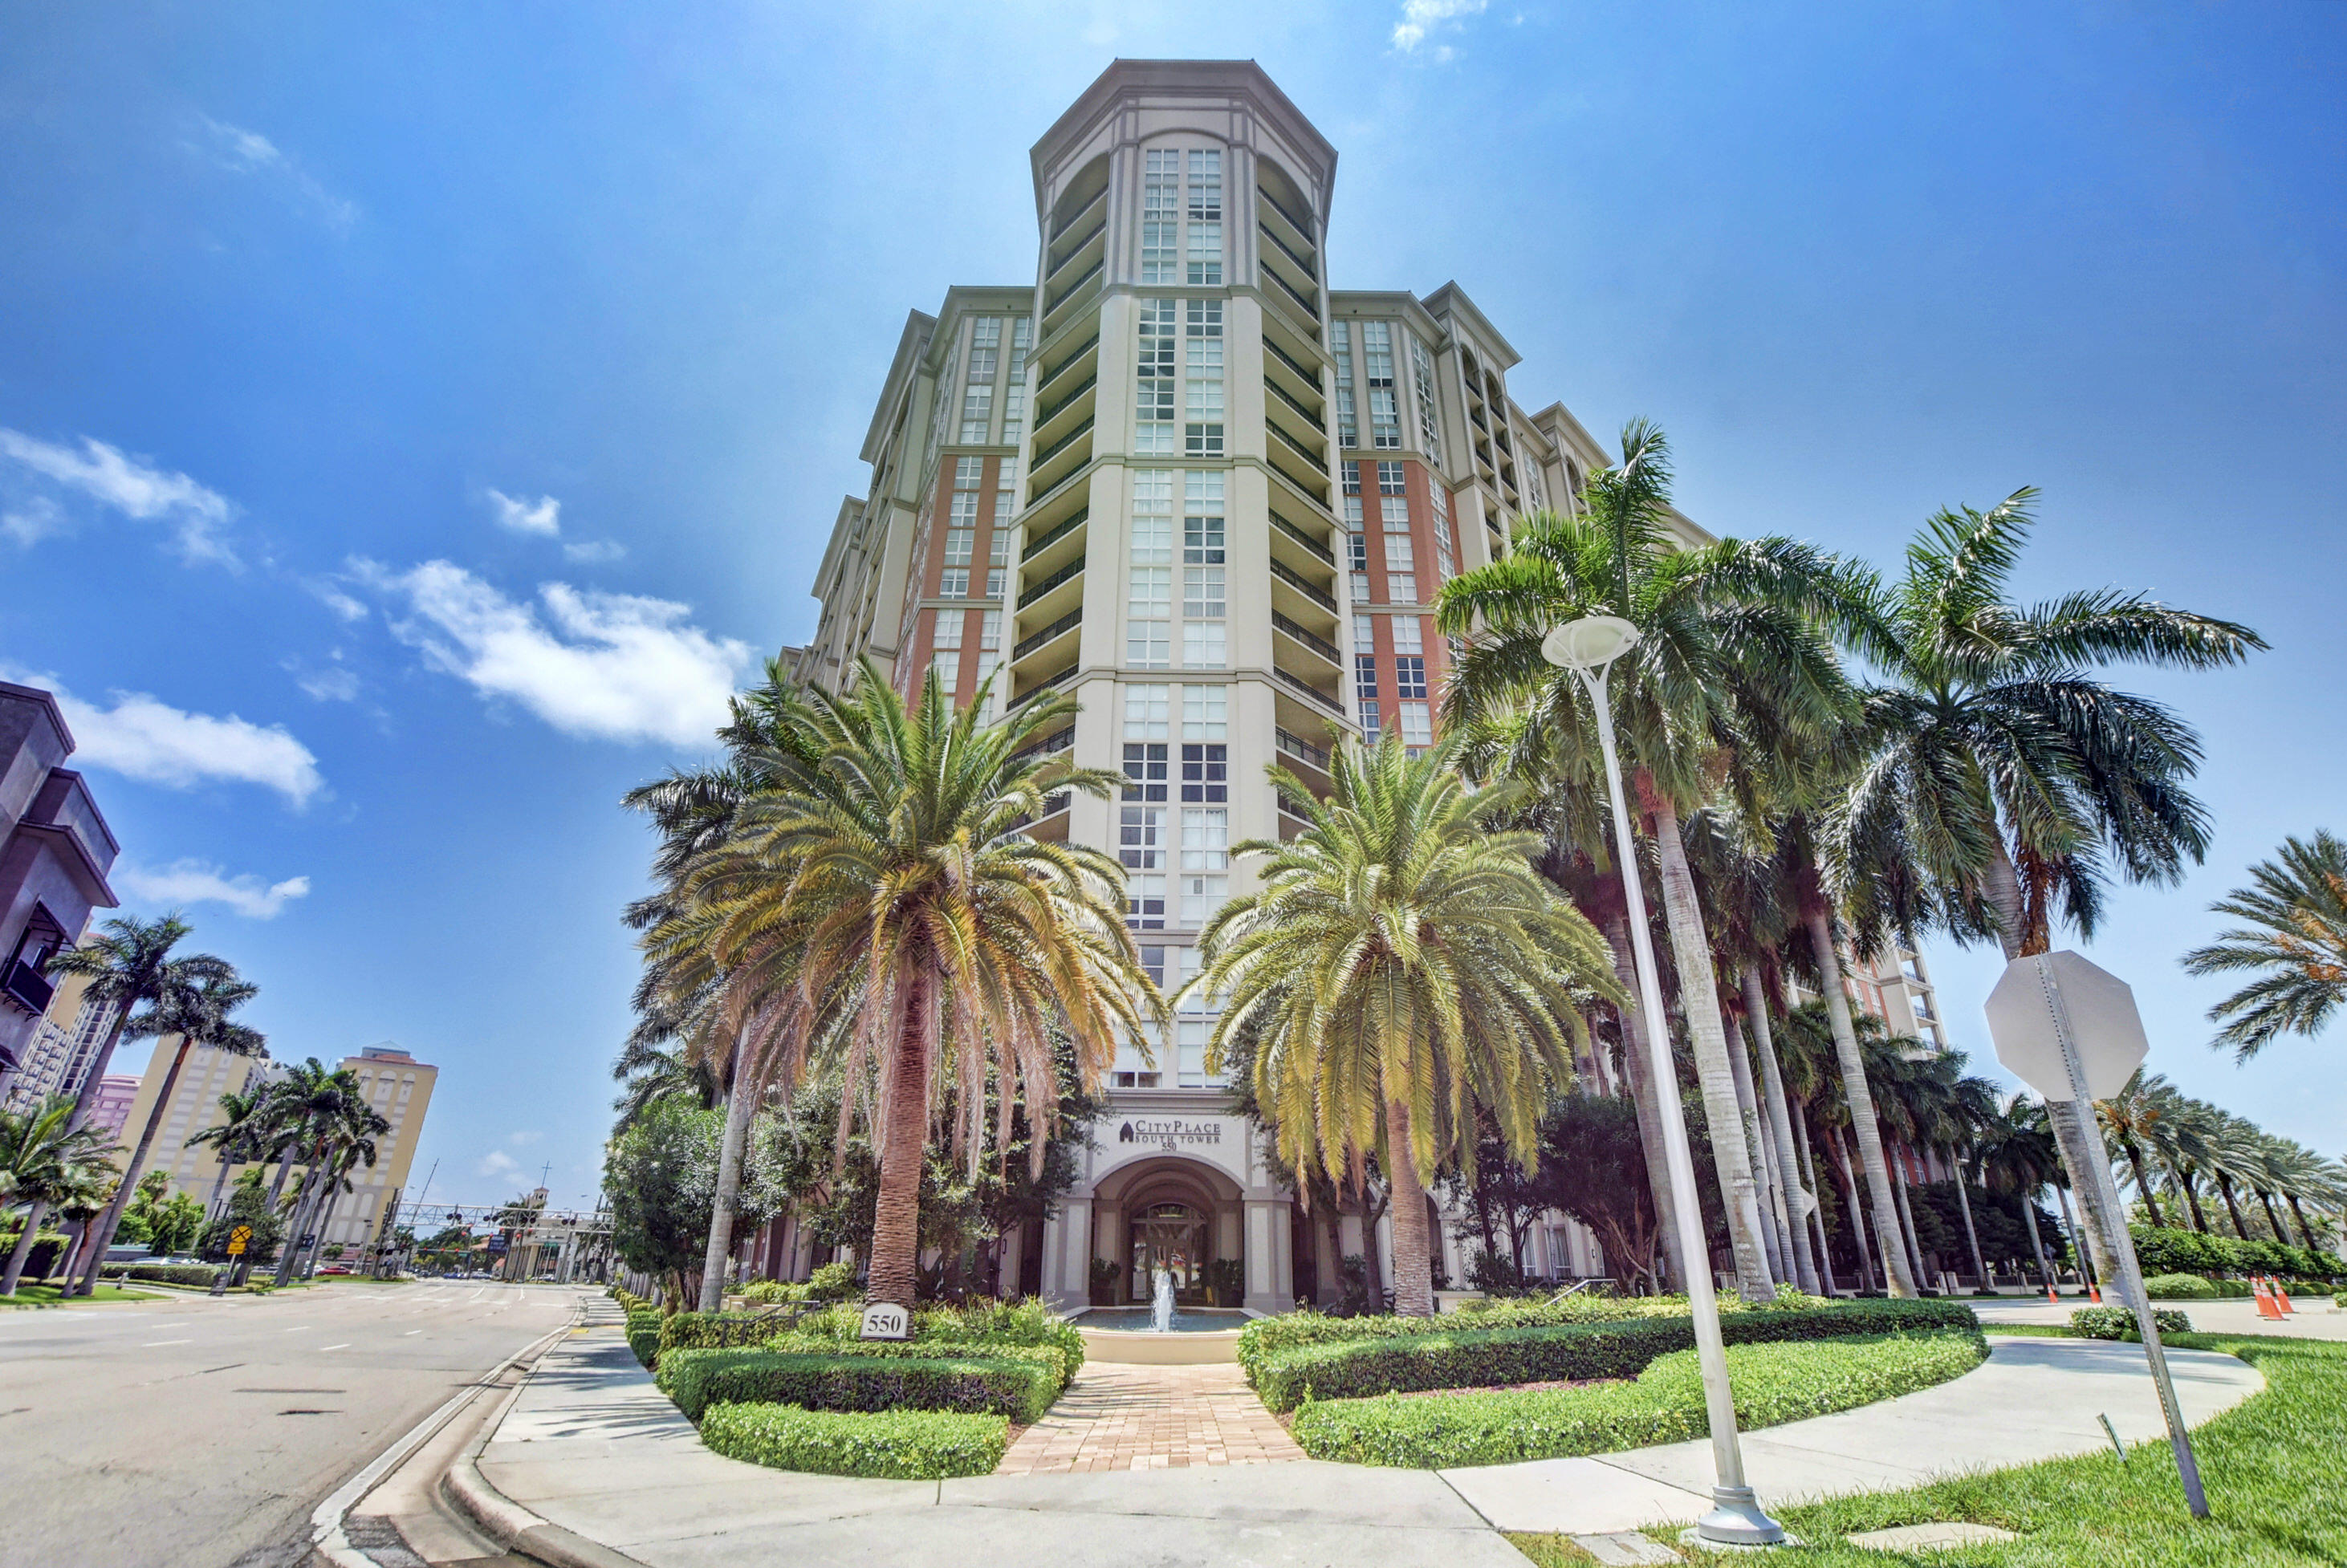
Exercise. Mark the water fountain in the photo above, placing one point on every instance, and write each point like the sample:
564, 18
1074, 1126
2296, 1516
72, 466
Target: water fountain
1160, 1309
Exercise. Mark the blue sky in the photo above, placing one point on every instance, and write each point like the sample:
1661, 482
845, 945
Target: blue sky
413, 424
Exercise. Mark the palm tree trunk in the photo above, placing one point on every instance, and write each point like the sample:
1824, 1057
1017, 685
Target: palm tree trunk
1747, 1118
1817, 1215
1772, 1078
329, 1201
304, 1197
1731, 1160
2142, 1178
740, 1102
2225, 1186
2186, 1182
23, 1249
2036, 1247
1971, 1235
1857, 1213
104, 1232
1818, 923
2077, 1235
2075, 1134
219, 1185
895, 1274
1413, 1262
1914, 1254
1636, 1059
2265, 1201
2305, 1231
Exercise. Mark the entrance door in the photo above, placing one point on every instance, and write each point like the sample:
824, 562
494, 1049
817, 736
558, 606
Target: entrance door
1171, 1237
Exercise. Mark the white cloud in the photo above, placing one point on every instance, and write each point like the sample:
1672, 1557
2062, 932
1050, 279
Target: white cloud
335, 600
542, 517
523, 1140
1420, 17
497, 1163
194, 882
242, 151
607, 665
145, 738
195, 514
594, 553
330, 684
35, 519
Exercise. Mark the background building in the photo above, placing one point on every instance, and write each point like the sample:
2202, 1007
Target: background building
55, 852
111, 1108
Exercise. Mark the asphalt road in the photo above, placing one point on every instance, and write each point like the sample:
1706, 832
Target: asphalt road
195, 1433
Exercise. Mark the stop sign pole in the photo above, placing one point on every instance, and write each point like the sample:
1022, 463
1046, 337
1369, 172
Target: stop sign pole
2030, 1009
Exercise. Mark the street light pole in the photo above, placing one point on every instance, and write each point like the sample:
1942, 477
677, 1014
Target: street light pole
1588, 648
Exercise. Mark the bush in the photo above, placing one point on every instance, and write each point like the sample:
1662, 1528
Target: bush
696, 1379
2181, 1288
1048, 1358
898, 1445
41, 1258
1438, 1356
983, 1322
1773, 1383
196, 1275
644, 1337
774, 1293
832, 1282
631, 1302
2164, 1250
2118, 1322
717, 1330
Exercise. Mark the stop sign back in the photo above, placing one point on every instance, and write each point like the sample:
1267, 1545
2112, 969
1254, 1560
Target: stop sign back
2105, 1026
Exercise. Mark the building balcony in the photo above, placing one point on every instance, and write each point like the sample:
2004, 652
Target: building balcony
1297, 582
1042, 552
1047, 636
1326, 702
1284, 534
29, 987
1043, 598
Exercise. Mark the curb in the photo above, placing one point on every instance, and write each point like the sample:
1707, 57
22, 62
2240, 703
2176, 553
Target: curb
508, 1522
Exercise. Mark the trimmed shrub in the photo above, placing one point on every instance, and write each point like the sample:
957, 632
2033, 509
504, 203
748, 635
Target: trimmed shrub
774, 1293
1405, 1360
42, 1256
697, 1379
2118, 1322
897, 1445
2162, 1249
1046, 1359
196, 1275
984, 1325
631, 1302
1773, 1382
832, 1282
717, 1330
644, 1335
2181, 1288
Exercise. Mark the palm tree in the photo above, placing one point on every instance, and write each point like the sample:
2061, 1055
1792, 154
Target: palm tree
247, 1119
333, 1117
195, 1006
894, 900
2295, 940
2015, 1153
1401, 968
2006, 771
1731, 669
128, 965
45, 1159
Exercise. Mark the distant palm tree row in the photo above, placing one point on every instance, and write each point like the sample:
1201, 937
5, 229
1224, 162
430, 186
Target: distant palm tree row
52, 1160
1821, 761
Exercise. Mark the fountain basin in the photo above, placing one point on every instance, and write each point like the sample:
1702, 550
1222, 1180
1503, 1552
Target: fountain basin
1201, 1337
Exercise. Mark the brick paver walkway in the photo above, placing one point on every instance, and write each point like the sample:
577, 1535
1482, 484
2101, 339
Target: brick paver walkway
1116, 1416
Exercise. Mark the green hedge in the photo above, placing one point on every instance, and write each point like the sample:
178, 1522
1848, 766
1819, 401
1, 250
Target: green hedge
197, 1275
1050, 1359
2163, 1250
902, 1445
644, 1335
2119, 1322
718, 1330
1443, 1357
990, 1325
2183, 1287
1773, 1383
42, 1258
697, 1379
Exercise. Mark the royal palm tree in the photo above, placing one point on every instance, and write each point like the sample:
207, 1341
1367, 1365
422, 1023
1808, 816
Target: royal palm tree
195, 1006
1732, 667
2015, 1153
128, 965
1401, 968
45, 1159
2006, 771
333, 1117
2294, 939
907, 915
247, 1120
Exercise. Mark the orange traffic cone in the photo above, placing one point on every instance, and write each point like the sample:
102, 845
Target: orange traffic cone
2094, 1293
2050, 1296
2267, 1305
2283, 1297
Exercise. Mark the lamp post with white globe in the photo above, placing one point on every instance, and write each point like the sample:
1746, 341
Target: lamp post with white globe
1588, 647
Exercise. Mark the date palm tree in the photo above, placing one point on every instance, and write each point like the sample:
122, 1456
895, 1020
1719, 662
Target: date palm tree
895, 899
196, 1009
2007, 771
2015, 1153
1401, 968
2293, 939
1732, 667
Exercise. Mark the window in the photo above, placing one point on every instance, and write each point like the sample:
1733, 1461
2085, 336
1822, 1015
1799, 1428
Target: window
1152, 964
977, 414
1203, 431
1205, 712
1205, 218
1370, 722
961, 529
1365, 677
1408, 633
1205, 838
1349, 425
1440, 504
1421, 370
997, 555
1145, 715
1190, 1053
1161, 217
1390, 479
1356, 548
990, 642
945, 646
1014, 388
1205, 774
1204, 605
947, 380
1141, 837
1401, 581
1202, 519
977, 396
1141, 833
1376, 353
1149, 610
1417, 724
1152, 430
1349, 473
1535, 488
1205, 644
1410, 676
1202, 592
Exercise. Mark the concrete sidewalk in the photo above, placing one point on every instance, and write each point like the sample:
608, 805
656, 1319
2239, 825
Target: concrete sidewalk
592, 1448
2316, 1317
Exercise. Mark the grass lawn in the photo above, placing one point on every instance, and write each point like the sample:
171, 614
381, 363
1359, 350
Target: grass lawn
2275, 1467
29, 1295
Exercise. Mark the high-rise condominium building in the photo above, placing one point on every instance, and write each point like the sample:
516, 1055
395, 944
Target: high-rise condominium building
1180, 479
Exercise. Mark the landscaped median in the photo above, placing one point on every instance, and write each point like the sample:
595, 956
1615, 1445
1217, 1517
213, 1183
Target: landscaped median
1350, 1380
813, 1398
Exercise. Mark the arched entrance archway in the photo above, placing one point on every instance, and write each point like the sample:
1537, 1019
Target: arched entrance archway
1180, 1212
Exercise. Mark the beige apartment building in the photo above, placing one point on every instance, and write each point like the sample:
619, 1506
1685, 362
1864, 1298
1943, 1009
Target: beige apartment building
1179, 479
394, 1083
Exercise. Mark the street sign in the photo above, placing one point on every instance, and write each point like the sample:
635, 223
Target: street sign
2104, 1025
239, 1240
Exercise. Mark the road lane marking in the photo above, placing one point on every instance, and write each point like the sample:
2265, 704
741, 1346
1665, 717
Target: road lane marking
304, 1328
412, 1331
343, 1345
157, 1344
